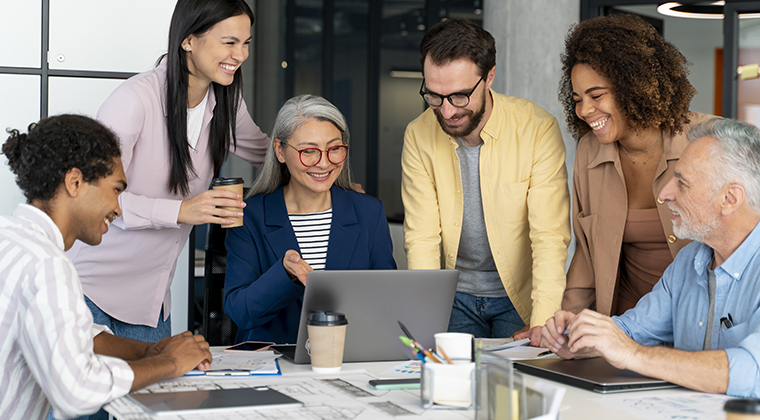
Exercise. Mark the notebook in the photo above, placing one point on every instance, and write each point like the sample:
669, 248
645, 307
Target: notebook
595, 374
373, 301
212, 401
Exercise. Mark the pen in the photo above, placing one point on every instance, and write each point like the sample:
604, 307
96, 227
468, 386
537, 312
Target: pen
426, 352
726, 322
415, 349
229, 373
544, 353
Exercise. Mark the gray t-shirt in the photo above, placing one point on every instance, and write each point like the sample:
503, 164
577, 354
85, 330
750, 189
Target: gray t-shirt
477, 270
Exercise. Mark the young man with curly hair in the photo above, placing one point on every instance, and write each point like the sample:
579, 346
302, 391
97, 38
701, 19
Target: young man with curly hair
484, 186
70, 171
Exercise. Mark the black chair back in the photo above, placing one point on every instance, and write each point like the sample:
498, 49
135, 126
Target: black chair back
218, 328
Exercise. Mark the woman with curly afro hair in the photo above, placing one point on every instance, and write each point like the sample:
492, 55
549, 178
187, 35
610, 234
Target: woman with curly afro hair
626, 97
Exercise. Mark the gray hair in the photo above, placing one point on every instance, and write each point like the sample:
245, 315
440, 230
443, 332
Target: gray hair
736, 157
293, 115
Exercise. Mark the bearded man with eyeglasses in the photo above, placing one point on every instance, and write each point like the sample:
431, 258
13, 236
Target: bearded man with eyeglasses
484, 186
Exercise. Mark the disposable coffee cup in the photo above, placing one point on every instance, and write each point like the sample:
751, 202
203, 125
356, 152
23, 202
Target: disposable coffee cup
234, 185
327, 337
742, 409
458, 346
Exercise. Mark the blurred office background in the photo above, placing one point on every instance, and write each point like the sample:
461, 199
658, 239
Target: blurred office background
363, 55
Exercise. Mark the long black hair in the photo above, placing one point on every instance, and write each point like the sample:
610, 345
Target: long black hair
196, 17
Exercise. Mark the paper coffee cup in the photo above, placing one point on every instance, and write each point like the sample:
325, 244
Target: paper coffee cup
458, 346
327, 338
234, 185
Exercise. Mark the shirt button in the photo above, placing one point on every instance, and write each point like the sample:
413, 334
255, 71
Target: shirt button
700, 324
451, 256
671, 239
456, 224
736, 275
459, 192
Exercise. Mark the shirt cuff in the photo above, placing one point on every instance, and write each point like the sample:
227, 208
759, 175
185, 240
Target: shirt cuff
122, 375
97, 329
742, 373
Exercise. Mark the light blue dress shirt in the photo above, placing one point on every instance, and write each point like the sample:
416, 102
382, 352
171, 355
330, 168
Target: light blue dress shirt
676, 310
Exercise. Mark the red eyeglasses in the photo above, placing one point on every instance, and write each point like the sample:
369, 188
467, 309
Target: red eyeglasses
311, 156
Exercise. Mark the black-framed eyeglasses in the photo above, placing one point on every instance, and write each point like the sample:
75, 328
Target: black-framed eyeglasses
459, 100
311, 156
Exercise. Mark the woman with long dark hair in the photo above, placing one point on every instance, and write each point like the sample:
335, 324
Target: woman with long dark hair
176, 124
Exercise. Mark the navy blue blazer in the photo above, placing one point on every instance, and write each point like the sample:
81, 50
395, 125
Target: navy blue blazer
260, 297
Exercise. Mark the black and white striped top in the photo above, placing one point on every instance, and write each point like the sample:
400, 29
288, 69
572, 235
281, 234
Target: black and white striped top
313, 234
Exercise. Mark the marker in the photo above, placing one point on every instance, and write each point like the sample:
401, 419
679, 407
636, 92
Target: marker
403, 328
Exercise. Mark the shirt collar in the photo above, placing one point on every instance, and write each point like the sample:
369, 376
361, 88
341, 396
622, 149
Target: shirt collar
492, 128
609, 152
41, 220
737, 262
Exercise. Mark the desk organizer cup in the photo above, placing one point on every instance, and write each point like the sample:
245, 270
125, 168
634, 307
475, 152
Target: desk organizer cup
449, 386
234, 185
501, 393
458, 346
327, 337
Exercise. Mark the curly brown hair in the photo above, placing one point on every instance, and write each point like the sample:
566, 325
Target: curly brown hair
649, 75
53, 146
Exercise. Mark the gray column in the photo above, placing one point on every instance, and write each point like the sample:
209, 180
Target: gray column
530, 37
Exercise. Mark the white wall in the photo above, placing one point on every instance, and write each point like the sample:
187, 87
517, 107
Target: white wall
85, 35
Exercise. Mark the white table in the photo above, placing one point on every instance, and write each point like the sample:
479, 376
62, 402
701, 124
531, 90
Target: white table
577, 404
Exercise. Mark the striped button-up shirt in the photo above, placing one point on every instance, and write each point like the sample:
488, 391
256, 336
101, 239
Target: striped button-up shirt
46, 329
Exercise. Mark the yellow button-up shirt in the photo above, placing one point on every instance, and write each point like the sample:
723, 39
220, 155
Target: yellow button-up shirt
523, 183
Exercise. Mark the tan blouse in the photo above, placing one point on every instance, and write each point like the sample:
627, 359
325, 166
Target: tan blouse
645, 256
600, 208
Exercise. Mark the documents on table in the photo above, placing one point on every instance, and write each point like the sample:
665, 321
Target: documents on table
491, 344
408, 369
345, 395
241, 364
515, 350
680, 405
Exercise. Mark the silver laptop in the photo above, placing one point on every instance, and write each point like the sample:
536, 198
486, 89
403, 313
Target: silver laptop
374, 301
595, 374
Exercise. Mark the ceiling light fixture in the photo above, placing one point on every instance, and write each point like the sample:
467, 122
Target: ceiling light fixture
702, 10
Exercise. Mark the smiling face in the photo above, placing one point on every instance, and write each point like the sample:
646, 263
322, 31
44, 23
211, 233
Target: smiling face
316, 179
458, 76
217, 54
595, 104
98, 205
691, 197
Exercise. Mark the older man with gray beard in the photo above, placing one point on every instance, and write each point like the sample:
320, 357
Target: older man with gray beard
707, 303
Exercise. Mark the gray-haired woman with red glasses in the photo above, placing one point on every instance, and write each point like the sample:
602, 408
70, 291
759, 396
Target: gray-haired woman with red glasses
302, 214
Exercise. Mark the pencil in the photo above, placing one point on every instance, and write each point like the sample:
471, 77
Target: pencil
443, 353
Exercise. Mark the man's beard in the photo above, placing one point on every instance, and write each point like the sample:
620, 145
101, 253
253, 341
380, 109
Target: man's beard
688, 230
462, 131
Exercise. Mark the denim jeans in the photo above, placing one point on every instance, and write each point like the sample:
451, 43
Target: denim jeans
122, 329
484, 317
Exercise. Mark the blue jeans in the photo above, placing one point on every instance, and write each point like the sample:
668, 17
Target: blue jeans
484, 316
122, 329
135, 332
